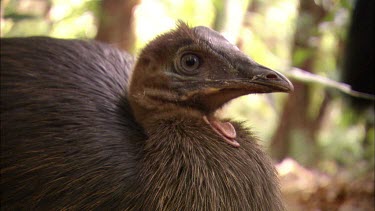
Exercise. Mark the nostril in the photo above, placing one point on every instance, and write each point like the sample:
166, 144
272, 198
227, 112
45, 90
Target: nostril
271, 76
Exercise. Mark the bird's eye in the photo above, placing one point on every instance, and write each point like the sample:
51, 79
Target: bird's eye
190, 63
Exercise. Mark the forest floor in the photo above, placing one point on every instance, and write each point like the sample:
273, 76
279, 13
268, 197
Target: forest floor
310, 190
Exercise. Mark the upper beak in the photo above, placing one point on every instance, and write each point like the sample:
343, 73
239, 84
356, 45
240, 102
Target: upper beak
259, 79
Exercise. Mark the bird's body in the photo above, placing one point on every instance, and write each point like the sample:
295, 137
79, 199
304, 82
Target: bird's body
74, 136
66, 125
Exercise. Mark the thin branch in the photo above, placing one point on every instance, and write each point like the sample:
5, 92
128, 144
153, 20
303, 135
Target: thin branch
304, 76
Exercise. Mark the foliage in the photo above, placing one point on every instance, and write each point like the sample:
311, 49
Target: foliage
57, 18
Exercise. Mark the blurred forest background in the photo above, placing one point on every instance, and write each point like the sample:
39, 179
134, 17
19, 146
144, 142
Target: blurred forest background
320, 135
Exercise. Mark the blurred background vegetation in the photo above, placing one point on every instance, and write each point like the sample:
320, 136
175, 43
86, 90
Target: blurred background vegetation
318, 126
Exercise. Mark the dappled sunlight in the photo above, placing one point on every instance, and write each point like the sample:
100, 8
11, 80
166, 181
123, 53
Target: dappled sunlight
151, 20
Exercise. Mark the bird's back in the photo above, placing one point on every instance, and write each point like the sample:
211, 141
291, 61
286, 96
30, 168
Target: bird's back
65, 124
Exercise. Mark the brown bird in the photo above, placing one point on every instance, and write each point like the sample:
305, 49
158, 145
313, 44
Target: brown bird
76, 133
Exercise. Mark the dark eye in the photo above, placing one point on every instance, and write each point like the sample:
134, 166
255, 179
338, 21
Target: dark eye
190, 63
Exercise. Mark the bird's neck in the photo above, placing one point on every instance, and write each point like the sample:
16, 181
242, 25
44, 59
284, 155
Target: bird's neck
150, 112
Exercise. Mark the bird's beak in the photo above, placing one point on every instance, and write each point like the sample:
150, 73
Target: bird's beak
256, 78
250, 77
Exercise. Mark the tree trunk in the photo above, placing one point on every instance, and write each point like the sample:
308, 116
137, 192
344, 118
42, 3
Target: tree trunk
296, 125
116, 23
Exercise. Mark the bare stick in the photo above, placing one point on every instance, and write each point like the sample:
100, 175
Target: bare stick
302, 75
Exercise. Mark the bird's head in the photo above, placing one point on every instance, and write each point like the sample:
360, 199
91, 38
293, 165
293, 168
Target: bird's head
195, 69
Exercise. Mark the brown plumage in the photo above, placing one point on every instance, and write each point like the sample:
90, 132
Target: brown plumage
77, 135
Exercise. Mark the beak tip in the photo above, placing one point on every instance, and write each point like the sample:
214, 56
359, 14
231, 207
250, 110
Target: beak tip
282, 81
290, 86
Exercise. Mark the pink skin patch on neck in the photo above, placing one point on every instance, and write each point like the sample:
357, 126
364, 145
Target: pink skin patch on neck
224, 129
